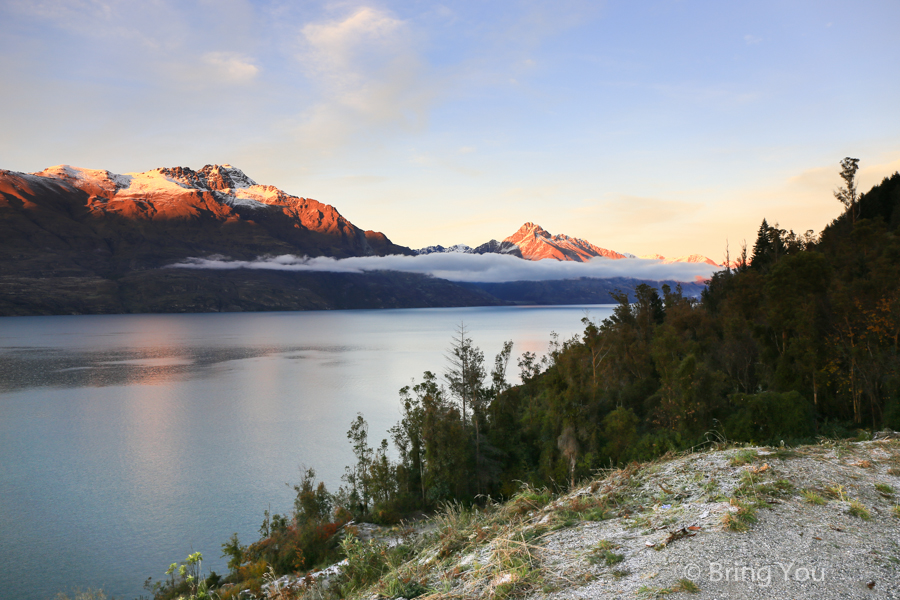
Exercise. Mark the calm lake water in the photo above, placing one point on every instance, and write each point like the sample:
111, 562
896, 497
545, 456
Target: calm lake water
129, 441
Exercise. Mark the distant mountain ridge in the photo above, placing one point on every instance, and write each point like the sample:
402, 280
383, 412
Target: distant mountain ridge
533, 242
228, 213
84, 241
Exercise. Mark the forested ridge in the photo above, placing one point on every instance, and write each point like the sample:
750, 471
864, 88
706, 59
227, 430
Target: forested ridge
797, 339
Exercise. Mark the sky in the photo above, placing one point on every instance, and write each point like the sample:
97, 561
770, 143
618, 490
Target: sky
670, 127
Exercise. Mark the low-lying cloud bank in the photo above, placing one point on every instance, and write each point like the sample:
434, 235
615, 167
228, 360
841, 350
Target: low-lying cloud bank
477, 268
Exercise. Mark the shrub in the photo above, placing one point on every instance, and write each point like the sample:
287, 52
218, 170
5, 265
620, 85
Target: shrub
770, 417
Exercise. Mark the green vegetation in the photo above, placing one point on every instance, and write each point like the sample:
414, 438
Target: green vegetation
798, 340
884, 488
89, 594
742, 515
858, 510
602, 553
812, 497
683, 585
743, 457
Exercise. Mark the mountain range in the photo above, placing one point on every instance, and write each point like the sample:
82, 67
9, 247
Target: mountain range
79, 240
533, 242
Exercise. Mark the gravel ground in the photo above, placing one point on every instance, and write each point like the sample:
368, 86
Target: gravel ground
795, 549
815, 522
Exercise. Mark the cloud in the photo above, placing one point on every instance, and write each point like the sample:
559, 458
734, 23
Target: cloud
480, 268
751, 39
641, 211
367, 72
230, 67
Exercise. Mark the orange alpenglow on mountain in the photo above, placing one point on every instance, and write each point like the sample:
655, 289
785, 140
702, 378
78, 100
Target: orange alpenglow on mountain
159, 203
536, 243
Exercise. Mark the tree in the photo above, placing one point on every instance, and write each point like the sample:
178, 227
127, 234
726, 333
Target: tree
498, 373
358, 476
466, 377
847, 195
761, 248
312, 503
466, 371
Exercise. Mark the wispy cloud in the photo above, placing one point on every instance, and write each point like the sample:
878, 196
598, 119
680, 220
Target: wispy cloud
230, 67
367, 72
481, 268
639, 211
750, 40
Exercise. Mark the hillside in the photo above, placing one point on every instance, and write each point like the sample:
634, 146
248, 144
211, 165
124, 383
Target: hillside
818, 521
80, 241
574, 291
71, 221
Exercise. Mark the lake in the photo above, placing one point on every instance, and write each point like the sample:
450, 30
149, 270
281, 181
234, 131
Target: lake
129, 441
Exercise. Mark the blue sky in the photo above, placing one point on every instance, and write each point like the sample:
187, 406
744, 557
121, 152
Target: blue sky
645, 127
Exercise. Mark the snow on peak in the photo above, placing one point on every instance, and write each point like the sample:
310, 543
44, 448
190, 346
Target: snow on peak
536, 243
218, 178
458, 248
692, 258
101, 178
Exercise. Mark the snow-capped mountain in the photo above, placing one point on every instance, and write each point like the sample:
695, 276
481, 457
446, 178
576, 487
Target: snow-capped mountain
227, 211
691, 258
533, 242
458, 248
536, 243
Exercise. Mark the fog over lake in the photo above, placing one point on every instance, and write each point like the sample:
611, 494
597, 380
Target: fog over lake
128, 441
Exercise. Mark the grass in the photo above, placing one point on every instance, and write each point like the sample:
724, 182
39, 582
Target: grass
884, 488
740, 519
812, 498
836, 492
682, 585
785, 453
710, 486
743, 457
501, 543
583, 509
602, 552
858, 510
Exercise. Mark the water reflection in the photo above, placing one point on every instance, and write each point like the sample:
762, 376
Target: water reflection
129, 441
23, 368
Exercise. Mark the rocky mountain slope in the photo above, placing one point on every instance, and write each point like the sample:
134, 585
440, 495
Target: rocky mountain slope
67, 218
533, 242
82, 241
78, 241
536, 243
812, 522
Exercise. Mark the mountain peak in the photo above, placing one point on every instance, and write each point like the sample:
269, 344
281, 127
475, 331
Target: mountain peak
536, 243
531, 229
211, 177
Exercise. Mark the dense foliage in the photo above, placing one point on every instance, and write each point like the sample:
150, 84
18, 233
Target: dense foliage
796, 340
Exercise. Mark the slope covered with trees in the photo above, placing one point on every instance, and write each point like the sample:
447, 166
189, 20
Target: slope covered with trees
799, 340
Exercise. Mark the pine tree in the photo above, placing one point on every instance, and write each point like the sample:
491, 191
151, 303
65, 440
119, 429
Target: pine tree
762, 249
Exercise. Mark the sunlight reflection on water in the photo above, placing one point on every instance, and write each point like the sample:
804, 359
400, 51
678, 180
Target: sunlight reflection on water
130, 440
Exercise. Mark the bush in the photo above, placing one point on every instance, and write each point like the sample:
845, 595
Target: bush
769, 417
